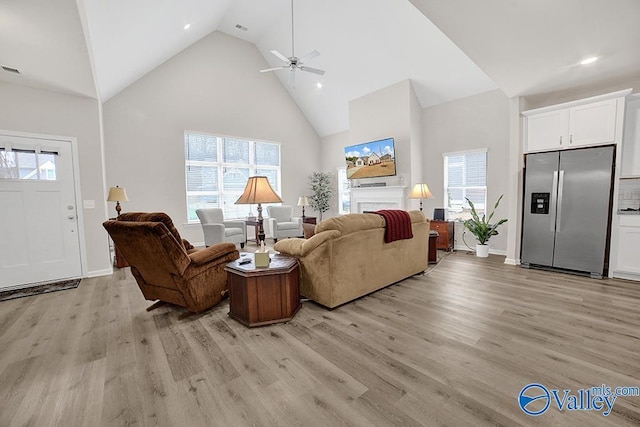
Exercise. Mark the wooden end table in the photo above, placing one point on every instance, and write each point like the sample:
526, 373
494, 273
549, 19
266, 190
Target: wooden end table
256, 225
262, 296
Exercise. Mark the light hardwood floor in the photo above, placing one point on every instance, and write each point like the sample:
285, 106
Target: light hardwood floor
453, 347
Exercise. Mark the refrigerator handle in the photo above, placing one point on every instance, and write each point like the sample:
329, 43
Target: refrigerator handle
554, 193
559, 208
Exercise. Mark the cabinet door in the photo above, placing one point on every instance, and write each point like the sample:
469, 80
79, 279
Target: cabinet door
631, 140
592, 123
628, 244
547, 131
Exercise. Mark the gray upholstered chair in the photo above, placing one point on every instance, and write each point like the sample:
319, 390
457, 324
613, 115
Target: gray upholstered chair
217, 230
283, 224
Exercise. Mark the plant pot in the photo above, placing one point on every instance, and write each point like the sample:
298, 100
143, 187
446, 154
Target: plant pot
482, 251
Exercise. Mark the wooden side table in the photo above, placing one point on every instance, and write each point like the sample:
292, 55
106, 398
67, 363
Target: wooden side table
433, 250
256, 225
446, 231
262, 296
309, 219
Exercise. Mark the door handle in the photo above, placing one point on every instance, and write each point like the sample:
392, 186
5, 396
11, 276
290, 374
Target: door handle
71, 217
554, 198
559, 209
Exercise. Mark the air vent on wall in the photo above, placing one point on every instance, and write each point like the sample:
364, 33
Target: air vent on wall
241, 27
11, 70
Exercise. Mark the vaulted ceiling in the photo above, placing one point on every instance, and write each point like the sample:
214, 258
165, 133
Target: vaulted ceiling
449, 50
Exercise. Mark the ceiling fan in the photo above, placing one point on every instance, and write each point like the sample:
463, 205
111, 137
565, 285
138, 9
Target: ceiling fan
293, 62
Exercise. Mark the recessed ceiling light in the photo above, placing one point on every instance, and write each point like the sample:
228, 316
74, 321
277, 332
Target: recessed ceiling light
319, 85
186, 27
589, 60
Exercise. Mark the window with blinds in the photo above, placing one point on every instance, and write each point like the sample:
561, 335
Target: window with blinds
217, 170
465, 176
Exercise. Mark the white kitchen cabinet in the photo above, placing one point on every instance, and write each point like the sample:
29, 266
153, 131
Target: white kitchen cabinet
627, 265
546, 131
593, 123
631, 138
585, 122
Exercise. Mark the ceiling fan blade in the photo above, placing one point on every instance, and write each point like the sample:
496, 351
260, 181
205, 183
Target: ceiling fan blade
309, 55
311, 70
273, 69
279, 55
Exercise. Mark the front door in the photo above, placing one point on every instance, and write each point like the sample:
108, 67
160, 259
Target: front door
38, 214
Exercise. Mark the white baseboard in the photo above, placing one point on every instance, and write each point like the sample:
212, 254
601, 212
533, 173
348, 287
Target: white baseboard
98, 273
491, 251
512, 261
626, 276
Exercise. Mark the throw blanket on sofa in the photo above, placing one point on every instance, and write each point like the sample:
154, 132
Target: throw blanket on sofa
398, 225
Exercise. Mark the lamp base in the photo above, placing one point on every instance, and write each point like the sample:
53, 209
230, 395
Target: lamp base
260, 224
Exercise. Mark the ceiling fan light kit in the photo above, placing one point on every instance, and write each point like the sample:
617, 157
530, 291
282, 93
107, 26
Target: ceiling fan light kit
294, 63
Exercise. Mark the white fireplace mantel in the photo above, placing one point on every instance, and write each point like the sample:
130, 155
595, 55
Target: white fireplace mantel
376, 198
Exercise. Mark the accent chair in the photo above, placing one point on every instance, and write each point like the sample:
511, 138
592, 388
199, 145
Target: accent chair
282, 222
217, 230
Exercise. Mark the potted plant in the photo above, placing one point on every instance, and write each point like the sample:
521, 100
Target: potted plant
322, 192
483, 229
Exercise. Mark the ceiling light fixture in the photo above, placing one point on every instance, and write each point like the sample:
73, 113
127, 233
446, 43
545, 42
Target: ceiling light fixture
589, 60
186, 27
319, 85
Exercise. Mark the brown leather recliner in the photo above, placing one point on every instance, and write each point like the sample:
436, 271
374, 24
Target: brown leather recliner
167, 267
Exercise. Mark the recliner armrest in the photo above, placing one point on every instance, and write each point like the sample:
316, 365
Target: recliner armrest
212, 253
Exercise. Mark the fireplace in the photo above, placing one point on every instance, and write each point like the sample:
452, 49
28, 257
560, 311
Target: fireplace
376, 198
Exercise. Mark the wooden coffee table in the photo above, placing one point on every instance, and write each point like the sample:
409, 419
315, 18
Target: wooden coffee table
262, 296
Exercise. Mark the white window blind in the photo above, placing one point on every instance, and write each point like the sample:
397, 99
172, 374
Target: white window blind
465, 176
217, 170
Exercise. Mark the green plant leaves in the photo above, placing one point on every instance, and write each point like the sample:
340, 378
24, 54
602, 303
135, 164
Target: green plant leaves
481, 228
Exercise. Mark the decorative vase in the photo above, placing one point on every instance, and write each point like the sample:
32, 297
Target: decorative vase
482, 251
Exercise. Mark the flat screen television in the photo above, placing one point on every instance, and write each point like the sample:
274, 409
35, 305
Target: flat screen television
371, 159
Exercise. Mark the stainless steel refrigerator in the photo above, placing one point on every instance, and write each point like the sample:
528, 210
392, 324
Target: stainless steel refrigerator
567, 210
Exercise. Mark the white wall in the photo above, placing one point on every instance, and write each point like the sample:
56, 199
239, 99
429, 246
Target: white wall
24, 109
415, 129
382, 114
479, 121
332, 149
213, 86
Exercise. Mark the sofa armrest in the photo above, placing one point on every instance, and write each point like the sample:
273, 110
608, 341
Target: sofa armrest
300, 247
297, 219
235, 224
212, 253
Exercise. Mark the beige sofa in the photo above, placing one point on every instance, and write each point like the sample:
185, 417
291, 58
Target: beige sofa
348, 258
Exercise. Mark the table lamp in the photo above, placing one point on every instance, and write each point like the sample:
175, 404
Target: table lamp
258, 191
420, 191
117, 194
303, 201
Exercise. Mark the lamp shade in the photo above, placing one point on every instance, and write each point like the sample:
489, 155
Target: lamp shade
420, 191
117, 194
303, 201
258, 190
